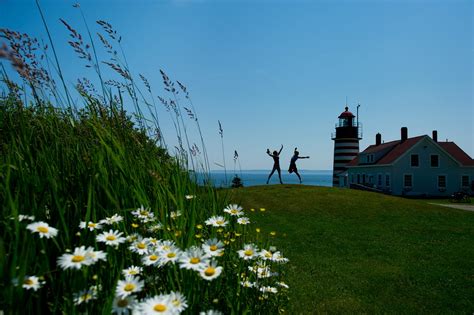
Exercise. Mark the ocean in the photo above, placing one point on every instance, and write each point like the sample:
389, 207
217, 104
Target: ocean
259, 177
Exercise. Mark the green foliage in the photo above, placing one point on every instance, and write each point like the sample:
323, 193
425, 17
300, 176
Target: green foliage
360, 252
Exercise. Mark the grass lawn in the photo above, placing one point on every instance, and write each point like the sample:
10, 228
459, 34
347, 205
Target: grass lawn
353, 251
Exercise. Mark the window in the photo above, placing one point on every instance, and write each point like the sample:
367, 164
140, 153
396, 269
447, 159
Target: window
415, 160
387, 180
363, 178
442, 181
379, 180
434, 160
465, 181
352, 178
408, 180
358, 178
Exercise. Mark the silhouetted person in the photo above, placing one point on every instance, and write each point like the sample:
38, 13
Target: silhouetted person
292, 167
276, 163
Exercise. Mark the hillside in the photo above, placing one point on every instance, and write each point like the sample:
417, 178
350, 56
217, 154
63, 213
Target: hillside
353, 251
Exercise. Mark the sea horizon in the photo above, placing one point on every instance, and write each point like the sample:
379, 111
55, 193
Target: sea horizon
257, 177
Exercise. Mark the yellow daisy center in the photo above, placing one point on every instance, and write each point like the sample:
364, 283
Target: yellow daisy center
219, 222
153, 257
134, 225
195, 260
159, 308
171, 255
110, 238
28, 282
122, 303
248, 252
234, 211
141, 245
268, 255
92, 225
129, 287
42, 229
176, 302
213, 247
210, 271
77, 258
144, 213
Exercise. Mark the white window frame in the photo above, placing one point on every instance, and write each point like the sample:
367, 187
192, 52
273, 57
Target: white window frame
468, 180
439, 161
445, 182
418, 161
412, 180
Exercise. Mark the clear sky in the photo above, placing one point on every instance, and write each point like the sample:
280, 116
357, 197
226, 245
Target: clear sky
279, 72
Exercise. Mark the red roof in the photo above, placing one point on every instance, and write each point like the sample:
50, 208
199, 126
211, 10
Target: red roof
457, 153
397, 148
346, 113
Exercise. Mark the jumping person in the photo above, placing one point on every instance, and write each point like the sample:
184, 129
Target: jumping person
276, 163
292, 167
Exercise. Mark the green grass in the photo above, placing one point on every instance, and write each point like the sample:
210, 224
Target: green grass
353, 251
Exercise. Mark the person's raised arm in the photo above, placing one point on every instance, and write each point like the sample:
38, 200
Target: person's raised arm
280, 149
268, 152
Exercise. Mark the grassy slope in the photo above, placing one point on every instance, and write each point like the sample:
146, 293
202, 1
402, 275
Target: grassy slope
353, 251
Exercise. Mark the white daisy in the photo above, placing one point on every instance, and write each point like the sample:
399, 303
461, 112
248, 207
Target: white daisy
113, 238
249, 252
132, 271
111, 220
156, 227
123, 305
139, 246
268, 289
43, 229
90, 225
194, 258
171, 254
153, 259
85, 296
283, 285
164, 245
279, 258
80, 257
243, 220
210, 271
217, 221
144, 214
234, 210
247, 284
211, 312
95, 256
22, 217
174, 215
128, 286
160, 304
213, 247
32, 283
189, 197
179, 301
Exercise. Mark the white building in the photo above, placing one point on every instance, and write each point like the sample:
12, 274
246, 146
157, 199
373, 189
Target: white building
418, 166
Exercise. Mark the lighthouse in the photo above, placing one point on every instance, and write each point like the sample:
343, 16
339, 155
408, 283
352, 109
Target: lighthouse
346, 143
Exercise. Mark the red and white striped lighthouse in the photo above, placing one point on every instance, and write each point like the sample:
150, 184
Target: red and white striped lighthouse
346, 143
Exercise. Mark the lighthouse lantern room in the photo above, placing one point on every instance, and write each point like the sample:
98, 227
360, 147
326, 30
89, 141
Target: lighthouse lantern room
346, 143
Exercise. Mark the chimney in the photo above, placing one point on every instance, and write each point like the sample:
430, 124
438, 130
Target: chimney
378, 139
404, 134
435, 136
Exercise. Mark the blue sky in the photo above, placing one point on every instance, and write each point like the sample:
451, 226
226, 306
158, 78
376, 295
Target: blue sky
279, 72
